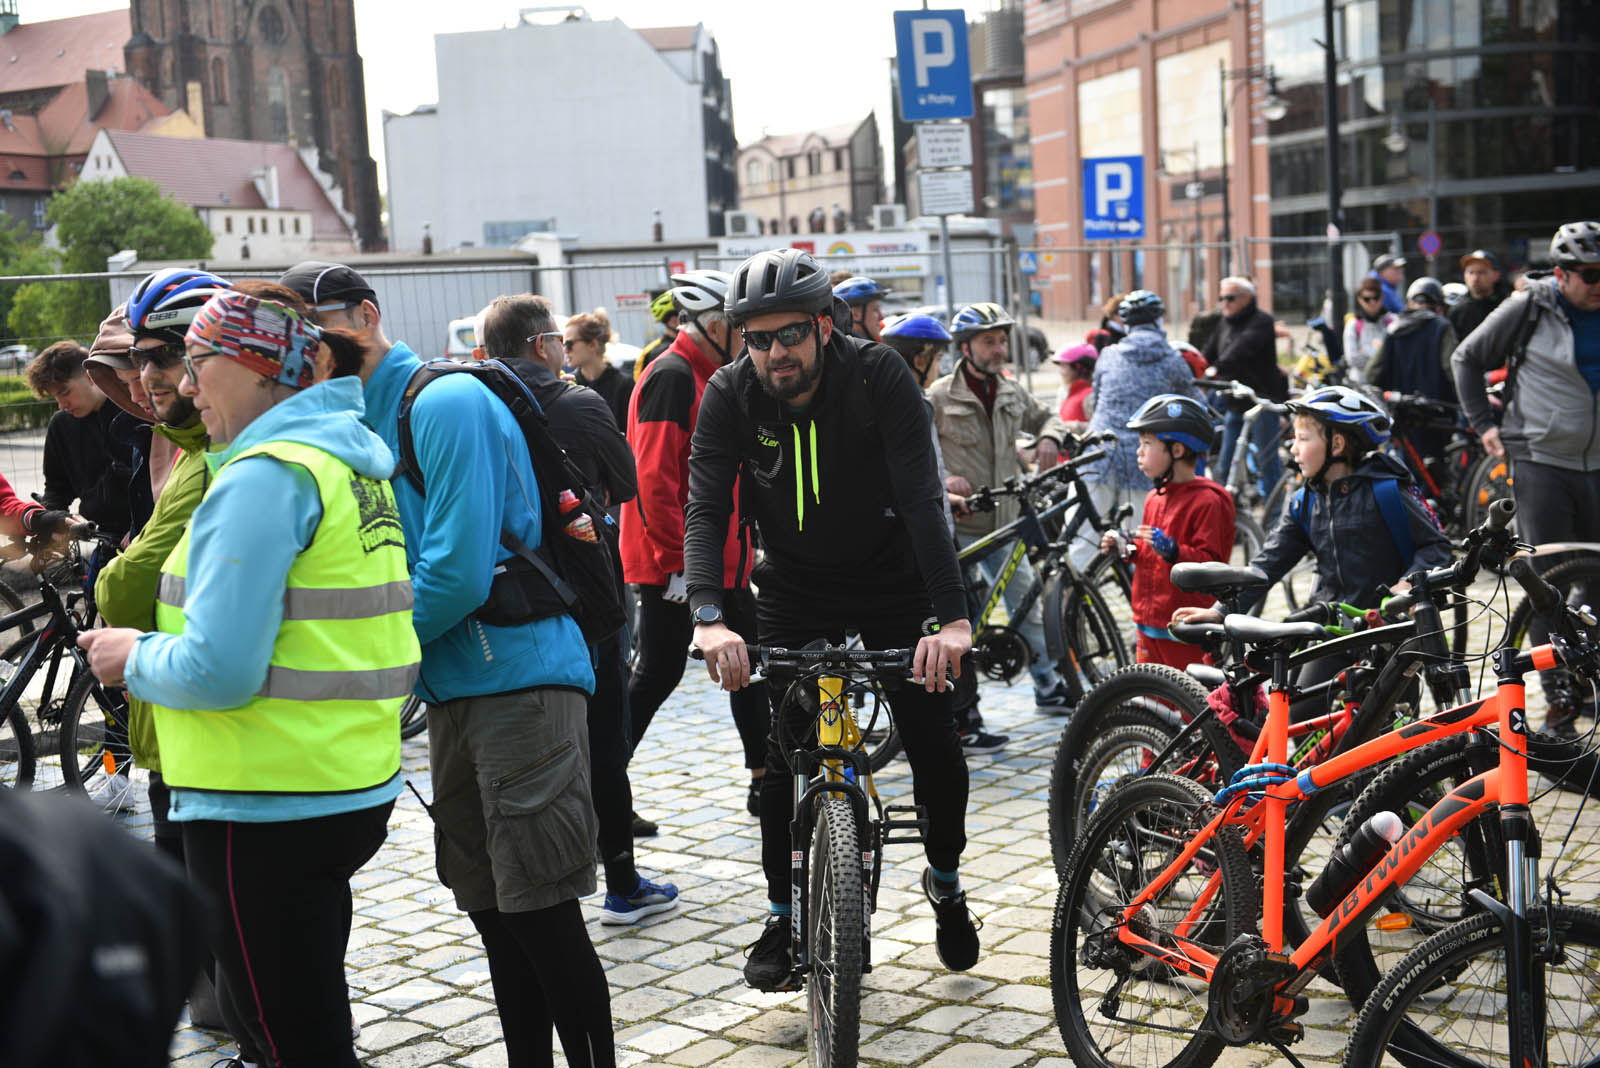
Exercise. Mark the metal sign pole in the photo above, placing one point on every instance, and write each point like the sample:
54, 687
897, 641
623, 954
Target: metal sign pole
949, 269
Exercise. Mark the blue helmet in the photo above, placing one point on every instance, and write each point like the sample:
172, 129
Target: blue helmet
919, 327
1343, 408
1140, 307
859, 289
165, 302
974, 319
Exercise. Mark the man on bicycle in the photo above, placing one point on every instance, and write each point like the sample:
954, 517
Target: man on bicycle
833, 451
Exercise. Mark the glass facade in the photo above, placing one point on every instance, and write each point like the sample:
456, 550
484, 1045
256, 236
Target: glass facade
1498, 104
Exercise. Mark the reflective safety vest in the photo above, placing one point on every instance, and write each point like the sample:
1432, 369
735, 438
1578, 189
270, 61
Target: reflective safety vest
327, 718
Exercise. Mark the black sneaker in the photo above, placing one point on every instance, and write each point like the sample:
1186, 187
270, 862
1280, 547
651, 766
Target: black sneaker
1562, 721
643, 828
752, 800
768, 966
981, 741
957, 937
1057, 700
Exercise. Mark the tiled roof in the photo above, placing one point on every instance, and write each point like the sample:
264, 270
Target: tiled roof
42, 55
67, 128
781, 145
215, 173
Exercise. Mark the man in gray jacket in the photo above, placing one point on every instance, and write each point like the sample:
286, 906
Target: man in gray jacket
978, 413
1551, 425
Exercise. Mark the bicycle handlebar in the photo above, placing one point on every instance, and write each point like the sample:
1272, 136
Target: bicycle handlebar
769, 659
1492, 534
982, 498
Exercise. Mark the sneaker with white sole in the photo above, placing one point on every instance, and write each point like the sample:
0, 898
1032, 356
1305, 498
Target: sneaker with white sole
115, 794
649, 900
981, 741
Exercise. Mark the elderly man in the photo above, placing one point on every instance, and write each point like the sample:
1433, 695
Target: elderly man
1481, 272
1244, 349
978, 413
1390, 271
1549, 337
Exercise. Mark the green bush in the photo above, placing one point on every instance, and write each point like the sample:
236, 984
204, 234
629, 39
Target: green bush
19, 408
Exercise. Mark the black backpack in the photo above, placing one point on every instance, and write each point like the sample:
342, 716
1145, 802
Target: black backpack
564, 574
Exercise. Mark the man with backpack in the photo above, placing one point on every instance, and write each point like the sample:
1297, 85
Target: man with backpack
507, 734
1547, 336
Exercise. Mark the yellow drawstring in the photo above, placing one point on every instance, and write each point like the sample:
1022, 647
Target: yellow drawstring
799, 482
816, 472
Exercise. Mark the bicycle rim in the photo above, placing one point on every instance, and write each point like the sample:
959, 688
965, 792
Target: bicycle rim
16, 751
834, 937
413, 717
93, 739
1445, 1004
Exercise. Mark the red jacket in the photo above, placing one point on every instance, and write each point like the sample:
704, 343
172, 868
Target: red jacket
12, 509
661, 418
1198, 515
1072, 404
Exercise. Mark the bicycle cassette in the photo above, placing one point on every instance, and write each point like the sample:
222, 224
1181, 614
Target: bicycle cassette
1001, 652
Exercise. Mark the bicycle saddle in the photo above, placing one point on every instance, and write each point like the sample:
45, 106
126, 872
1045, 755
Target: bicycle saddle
1206, 675
1198, 633
1214, 577
1264, 634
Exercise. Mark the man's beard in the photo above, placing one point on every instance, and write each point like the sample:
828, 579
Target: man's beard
180, 412
799, 384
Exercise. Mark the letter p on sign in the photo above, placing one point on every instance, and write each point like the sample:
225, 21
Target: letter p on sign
932, 46
1112, 182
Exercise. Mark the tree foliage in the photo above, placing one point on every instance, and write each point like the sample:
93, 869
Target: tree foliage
93, 221
21, 252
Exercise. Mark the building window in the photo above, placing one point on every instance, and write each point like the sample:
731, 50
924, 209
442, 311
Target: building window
335, 88
281, 227
752, 172
219, 81
263, 224
227, 224
297, 224
38, 213
250, 221
772, 226
813, 162
788, 167
838, 159
277, 105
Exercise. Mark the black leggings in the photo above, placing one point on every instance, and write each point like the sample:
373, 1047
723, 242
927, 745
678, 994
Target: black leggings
665, 630
285, 895
545, 972
610, 747
1555, 504
925, 720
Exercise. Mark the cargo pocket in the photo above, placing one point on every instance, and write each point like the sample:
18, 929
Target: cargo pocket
548, 812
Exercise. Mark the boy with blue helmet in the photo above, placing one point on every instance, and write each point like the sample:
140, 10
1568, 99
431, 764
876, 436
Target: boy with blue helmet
864, 296
921, 339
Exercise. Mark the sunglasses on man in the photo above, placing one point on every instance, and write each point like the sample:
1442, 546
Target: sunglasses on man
162, 356
1590, 275
789, 335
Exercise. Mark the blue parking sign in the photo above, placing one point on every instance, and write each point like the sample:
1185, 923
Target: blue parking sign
1113, 198
935, 73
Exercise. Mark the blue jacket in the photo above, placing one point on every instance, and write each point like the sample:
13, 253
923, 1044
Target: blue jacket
474, 463
1127, 374
1392, 300
243, 538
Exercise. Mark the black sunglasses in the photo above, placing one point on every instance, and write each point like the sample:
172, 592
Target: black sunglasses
163, 356
1590, 275
788, 336
1229, 298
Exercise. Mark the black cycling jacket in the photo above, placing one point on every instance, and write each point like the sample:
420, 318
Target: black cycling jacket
845, 495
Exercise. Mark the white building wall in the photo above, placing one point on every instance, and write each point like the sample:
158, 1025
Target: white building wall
416, 178
581, 122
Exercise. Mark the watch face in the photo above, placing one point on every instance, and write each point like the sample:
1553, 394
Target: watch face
708, 613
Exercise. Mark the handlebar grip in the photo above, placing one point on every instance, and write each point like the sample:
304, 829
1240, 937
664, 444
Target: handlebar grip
1501, 513
1317, 612
83, 531
1545, 598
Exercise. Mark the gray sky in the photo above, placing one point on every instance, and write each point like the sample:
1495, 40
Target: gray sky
794, 66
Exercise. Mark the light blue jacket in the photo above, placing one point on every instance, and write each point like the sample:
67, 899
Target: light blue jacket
255, 519
1127, 374
479, 480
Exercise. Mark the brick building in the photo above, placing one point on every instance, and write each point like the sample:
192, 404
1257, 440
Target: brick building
272, 70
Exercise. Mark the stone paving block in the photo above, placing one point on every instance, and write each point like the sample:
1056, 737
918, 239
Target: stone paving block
469, 973
1007, 1028
643, 1002
382, 977
685, 955
977, 1055
903, 1047
711, 1014
450, 1012
777, 1027
1019, 996
701, 1053
946, 1018
760, 1057
408, 995
386, 1033
417, 1055
1028, 943
661, 1039
704, 979
488, 1057
885, 1007
483, 1030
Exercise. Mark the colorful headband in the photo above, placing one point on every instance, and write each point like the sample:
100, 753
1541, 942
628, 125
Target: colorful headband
272, 340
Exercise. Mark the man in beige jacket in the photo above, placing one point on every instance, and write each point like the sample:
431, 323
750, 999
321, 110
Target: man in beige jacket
978, 413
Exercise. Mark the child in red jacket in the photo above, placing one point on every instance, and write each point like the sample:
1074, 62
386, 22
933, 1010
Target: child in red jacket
1186, 517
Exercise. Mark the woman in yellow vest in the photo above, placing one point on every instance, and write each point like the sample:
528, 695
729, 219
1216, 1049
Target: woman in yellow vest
283, 649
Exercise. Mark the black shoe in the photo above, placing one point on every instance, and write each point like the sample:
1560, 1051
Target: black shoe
643, 828
957, 937
1057, 700
1562, 721
981, 741
768, 966
752, 800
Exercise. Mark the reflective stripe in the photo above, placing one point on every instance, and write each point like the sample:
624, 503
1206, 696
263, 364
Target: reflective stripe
289, 684
170, 590
354, 602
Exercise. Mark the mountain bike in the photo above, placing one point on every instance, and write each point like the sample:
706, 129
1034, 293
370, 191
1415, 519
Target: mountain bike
47, 678
1154, 941
838, 832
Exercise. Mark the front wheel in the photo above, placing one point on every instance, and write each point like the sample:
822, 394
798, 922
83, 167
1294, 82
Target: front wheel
94, 732
1445, 1002
1083, 635
835, 936
16, 750
413, 717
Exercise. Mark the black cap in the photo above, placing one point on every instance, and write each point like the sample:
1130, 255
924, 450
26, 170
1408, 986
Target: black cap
1483, 255
328, 283
1383, 262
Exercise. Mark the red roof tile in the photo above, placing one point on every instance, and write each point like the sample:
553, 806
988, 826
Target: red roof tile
42, 55
66, 126
215, 173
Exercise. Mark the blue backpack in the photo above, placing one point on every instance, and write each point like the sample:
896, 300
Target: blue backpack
1387, 493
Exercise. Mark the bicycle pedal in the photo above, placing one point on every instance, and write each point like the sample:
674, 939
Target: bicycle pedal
912, 830
1286, 1034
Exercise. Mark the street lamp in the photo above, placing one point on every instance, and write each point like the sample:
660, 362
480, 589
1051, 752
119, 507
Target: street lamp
1273, 108
1397, 142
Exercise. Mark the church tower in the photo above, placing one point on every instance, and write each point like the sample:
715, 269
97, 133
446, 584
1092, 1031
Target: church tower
267, 70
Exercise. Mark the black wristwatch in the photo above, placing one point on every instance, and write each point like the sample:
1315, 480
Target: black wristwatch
708, 614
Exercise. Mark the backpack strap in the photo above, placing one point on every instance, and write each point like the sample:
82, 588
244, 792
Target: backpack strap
407, 462
1387, 492
1298, 510
1519, 343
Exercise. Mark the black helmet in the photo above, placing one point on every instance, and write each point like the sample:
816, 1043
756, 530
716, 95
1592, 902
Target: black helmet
1575, 243
975, 319
1426, 290
1141, 306
785, 279
1174, 417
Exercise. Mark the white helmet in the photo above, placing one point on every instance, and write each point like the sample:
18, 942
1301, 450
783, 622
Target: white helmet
695, 292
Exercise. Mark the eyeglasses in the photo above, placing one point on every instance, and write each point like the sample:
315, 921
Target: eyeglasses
1369, 298
569, 343
788, 336
1229, 298
539, 338
1590, 275
163, 356
190, 361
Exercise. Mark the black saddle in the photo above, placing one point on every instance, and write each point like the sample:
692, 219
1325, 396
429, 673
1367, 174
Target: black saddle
1206, 635
1268, 636
1216, 578
1206, 675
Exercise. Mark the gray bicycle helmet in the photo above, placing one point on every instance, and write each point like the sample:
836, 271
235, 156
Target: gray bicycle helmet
786, 279
1426, 291
696, 292
1141, 306
1575, 243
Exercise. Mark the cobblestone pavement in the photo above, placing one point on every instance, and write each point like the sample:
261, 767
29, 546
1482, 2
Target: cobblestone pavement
420, 986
